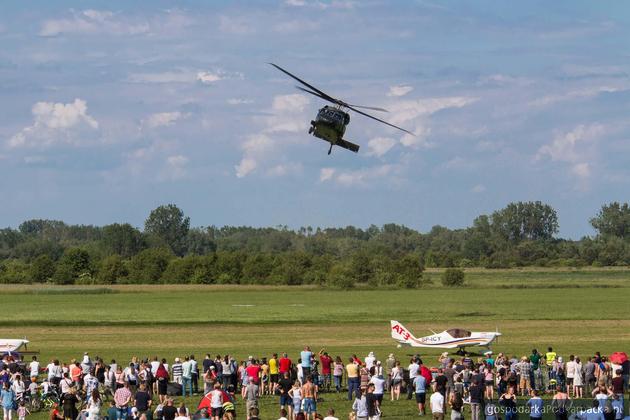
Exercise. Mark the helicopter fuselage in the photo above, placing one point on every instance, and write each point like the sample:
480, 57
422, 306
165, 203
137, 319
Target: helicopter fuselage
330, 125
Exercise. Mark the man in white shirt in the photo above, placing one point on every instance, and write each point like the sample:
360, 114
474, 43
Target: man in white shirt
330, 416
370, 360
186, 376
414, 369
570, 371
437, 406
34, 367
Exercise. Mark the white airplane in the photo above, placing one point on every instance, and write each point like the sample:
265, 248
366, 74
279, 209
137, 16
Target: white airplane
448, 339
9, 345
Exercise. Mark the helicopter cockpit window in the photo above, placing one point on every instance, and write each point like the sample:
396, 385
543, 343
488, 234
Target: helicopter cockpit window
458, 333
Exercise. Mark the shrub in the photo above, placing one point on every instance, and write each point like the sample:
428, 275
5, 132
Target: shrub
112, 270
453, 277
340, 277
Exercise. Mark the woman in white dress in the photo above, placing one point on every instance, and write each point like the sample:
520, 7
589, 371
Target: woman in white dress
578, 381
94, 406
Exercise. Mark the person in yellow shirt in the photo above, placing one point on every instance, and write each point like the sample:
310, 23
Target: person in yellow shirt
550, 356
352, 371
273, 372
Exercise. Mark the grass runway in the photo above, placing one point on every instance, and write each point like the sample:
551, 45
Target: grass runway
575, 311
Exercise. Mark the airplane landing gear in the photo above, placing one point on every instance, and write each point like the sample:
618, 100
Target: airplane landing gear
330, 149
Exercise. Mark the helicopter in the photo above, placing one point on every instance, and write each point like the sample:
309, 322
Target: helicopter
331, 121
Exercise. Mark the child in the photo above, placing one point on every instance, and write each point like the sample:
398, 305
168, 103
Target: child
33, 388
22, 411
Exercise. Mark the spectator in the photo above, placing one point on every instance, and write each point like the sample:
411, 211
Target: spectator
7, 396
437, 405
122, 398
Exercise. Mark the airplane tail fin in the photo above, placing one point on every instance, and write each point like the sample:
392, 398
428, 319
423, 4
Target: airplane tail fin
401, 334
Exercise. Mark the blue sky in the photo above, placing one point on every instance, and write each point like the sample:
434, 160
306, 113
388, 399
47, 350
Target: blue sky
110, 108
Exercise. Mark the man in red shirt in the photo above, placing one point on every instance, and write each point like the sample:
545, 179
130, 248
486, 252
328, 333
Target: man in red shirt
326, 362
284, 364
253, 372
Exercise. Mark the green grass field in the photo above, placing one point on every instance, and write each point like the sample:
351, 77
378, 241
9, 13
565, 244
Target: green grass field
575, 311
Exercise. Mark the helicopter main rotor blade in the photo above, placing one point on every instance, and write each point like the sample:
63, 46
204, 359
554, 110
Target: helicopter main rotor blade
323, 94
340, 102
316, 94
373, 108
379, 120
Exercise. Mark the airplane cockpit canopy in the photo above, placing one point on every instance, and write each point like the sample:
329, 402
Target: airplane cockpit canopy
458, 333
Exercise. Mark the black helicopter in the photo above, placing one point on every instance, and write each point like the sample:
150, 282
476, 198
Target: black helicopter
331, 121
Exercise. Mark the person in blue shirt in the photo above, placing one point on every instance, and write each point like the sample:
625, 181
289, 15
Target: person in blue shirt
535, 405
420, 385
594, 413
306, 356
7, 396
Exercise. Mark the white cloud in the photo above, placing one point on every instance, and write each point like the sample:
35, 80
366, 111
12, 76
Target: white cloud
207, 77
380, 145
284, 169
582, 170
321, 4
576, 148
584, 93
89, 22
176, 166
163, 119
55, 123
326, 174
254, 148
164, 77
399, 90
246, 166
184, 76
293, 26
479, 188
235, 25
239, 101
360, 177
419, 140
408, 110
287, 114
571, 146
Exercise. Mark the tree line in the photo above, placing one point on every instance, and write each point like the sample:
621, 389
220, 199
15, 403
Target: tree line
169, 250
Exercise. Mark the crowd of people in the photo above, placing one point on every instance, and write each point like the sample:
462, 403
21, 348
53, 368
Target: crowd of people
144, 389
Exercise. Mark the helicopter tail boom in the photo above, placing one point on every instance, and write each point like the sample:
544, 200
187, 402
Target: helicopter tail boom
347, 145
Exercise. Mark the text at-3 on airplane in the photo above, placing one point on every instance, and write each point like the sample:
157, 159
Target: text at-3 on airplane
331, 121
454, 338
